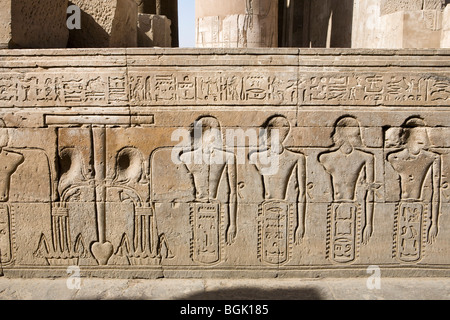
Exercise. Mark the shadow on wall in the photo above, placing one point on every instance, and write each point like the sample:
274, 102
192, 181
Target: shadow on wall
91, 35
315, 23
254, 293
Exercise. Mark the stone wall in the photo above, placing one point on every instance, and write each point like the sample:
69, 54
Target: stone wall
105, 24
100, 169
397, 24
33, 24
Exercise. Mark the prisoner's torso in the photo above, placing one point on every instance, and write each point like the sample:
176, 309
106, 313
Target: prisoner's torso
413, 170
207, 175
283, 169
345, 169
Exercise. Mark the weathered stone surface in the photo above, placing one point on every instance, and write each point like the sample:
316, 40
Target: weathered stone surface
398, 24
101, 171
111, 23
237, 24
224, 289
154, 31
168, 8
390, 6
445, 39
5, 23
33, 24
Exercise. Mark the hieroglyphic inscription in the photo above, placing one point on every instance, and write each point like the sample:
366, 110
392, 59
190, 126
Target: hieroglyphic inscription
205, 219
275, 229
54, 89
5, 234
212, 89
374, 89
343, 232
226, 88
410, 235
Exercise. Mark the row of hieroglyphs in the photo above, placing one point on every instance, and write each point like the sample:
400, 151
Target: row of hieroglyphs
223, 88
103, 205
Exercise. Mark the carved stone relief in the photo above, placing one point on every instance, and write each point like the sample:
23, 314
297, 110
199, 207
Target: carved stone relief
352, 171
273, 172
419, 171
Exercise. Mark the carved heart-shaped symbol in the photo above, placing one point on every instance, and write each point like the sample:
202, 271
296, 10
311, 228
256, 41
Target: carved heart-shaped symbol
102, 252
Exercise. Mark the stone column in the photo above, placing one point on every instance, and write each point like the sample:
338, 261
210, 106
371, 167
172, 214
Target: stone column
396, 24
236, 23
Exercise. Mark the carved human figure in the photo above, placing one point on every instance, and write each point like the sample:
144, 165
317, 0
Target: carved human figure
413, 164
208, 164
10, 161
352, 172
278, 212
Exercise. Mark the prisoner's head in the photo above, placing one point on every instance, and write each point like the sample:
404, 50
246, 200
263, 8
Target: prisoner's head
129, 165
277, 126
415, 135
4, 136
207, 131
347, 131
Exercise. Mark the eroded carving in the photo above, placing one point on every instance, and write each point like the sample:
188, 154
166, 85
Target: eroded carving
90, 179
281, 215
73, 186
352, 172
376, 88
416, 216
391, 6
10, 160
209, 164
144, 246
228, 88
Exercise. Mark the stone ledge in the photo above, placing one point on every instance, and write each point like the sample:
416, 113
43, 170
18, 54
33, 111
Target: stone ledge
226, 289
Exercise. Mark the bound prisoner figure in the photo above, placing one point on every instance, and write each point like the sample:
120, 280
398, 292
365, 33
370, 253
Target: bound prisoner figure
282, 213
352, 172
416, 216
10, 161
209, 164
143, 245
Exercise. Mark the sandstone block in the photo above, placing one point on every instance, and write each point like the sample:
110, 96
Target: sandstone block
33, 24
154, 31
111, 23
224, 162
398, 24
445, 38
